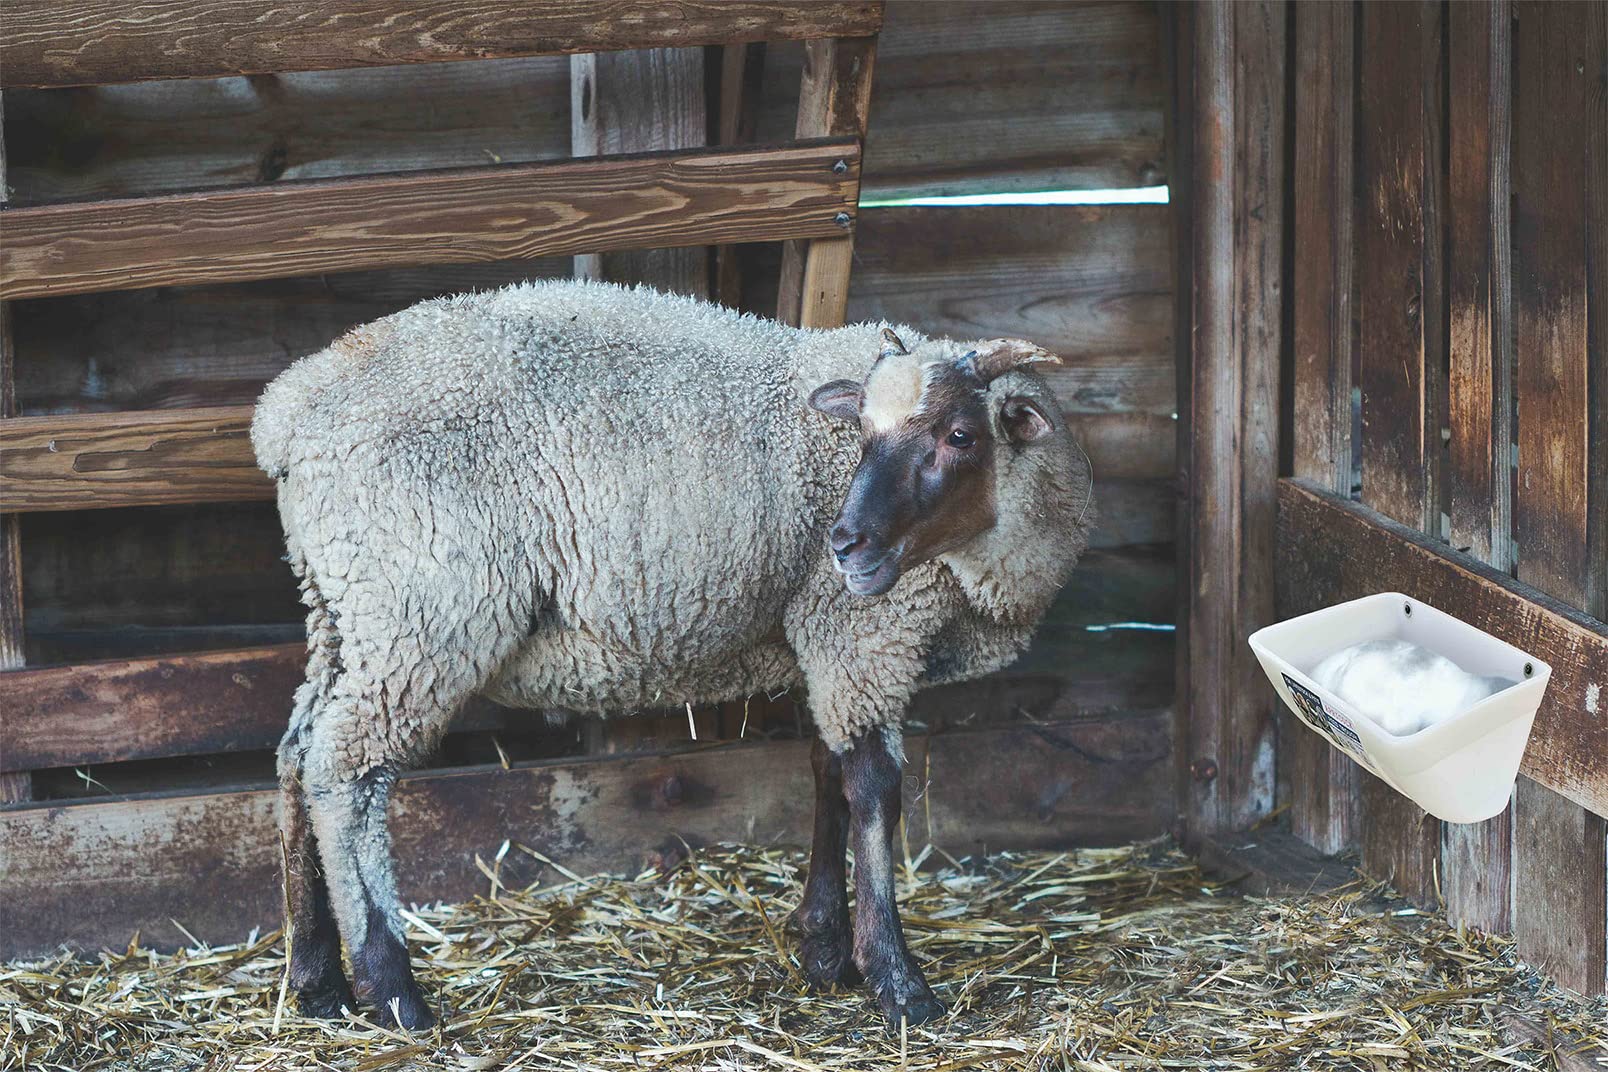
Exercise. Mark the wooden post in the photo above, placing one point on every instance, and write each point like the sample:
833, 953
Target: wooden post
1237, 220
1477, 858
834, 100
632, 102
1323, 785
17, 785
1400, 343
742, 69
1560, 506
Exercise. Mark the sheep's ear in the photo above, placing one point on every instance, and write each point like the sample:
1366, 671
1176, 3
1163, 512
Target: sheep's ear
840, 399
892, 345
1023, 420
996, 357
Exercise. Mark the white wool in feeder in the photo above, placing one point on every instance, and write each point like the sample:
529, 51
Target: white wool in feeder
1400, 686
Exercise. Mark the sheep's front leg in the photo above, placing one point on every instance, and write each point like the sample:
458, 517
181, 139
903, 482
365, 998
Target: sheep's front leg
822, 917
871, 784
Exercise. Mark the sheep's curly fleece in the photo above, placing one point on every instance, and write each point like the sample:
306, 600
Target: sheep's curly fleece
584, 496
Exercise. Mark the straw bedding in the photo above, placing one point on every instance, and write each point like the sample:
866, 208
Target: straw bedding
1093, 960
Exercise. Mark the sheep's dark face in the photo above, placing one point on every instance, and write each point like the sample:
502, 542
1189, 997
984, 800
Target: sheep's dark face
927, 475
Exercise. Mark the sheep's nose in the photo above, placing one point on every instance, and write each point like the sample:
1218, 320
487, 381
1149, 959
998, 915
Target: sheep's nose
845, 541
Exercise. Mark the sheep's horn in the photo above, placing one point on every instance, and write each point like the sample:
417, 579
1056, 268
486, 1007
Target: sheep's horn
998, 356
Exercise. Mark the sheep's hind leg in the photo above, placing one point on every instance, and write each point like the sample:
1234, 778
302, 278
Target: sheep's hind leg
822, 917
314, 970
871, 783
348, 786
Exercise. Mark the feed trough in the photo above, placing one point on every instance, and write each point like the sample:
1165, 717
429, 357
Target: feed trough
1460, 769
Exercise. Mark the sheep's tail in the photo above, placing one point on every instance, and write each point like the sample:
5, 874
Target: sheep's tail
273, 427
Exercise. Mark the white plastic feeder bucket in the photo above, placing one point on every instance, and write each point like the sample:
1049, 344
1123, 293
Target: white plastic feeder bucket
1460, 770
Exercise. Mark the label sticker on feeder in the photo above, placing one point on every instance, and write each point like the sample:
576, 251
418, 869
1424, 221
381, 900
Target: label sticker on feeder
1335, 727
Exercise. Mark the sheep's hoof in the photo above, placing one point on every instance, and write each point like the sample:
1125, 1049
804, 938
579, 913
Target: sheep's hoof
915, 1009
827, 959
325, 1002
407, 1011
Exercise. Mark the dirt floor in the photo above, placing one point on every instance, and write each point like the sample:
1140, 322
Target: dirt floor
1091, 960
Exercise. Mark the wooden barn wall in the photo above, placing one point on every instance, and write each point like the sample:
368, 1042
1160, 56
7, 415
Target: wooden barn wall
1449, 187
970, 98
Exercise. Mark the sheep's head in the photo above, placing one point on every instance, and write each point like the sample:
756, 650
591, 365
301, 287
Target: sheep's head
962, 445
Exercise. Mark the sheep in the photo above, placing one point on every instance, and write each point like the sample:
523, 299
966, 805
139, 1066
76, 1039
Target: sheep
582, 496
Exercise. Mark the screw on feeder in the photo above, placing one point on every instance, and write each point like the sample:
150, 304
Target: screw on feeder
840, 167
1529, 669
1408, 608
842, 219
1204, 770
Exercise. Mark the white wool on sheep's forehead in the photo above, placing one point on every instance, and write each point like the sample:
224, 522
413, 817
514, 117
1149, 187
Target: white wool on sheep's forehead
897, 388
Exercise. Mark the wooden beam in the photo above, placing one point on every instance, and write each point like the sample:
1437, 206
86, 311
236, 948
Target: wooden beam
1322, 784
52, 43
1477, 858
15, 783
91, 874
1331, 549
1400, 343
834, 99
450, 216
1239, 52
1560, 501
90, 461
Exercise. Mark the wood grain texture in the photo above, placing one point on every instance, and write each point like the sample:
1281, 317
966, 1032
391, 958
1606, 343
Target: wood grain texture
1399, 345
1239, 53
1477, 858
476, 214
91, 874
1323, 783
1093, 285
1331, 550
834, 99
982, 96
93, 461
52, 43
1560, 504
742, 69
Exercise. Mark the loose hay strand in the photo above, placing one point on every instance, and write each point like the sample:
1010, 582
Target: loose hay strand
1112, 960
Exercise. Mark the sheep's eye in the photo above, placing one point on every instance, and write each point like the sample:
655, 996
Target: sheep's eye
960, 439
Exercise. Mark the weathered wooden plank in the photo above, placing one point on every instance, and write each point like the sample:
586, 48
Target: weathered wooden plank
1400, 314
834, 100
472, 214
1331, 550
984, 96
91, 874
15, 785
52, 43
1560, 504
171, 137
97, 460
1238, 223
1477, 858
1093, 285
1323, 784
